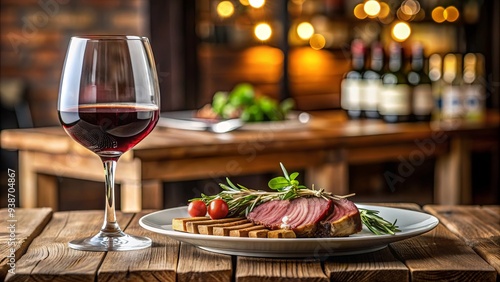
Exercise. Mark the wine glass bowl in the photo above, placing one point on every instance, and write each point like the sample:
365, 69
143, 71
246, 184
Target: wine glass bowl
108, 102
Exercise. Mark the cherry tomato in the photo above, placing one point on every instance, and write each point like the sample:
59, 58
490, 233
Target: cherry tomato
218, 209
197, 208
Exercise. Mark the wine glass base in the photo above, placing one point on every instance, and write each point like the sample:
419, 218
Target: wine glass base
110, 242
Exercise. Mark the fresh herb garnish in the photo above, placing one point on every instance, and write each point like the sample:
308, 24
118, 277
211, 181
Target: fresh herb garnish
376, 224
241, 200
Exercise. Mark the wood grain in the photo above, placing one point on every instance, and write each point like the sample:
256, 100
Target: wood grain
376, 266
157, 263
29, 223
478, 226
50, 259
470, 223
439, 255
265, 269
199, 265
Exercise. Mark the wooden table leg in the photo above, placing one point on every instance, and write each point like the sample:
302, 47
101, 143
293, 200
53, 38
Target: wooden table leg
152, 194
452, 175
129, 175
27, 180
131, 196
47, 191
333, 175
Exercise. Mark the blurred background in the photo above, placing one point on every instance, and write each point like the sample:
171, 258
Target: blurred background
298, 49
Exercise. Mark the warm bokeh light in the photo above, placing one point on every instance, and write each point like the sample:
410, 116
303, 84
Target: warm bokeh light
401, 31
410, 7
263, 55
263, 31
438, 14
359, 12
372, 8
305, 30
435, 67
225, 9
244, 2
317, 41
469, 67
403, 16
449, 67
384, 10
451, 14
256, 3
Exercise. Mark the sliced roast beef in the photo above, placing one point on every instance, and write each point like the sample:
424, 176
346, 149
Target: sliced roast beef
301, 215
304, 214
343, 221
309, 217
269, 213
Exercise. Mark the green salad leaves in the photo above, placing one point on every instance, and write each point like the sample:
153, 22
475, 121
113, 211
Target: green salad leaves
242, 102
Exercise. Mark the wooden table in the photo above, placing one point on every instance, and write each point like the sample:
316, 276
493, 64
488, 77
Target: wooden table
465, 246
324, 150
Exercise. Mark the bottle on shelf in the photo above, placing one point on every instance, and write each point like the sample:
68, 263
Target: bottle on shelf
353, 84
436, 77
452, 90
422, 100
474, 89
395, 94
373, 82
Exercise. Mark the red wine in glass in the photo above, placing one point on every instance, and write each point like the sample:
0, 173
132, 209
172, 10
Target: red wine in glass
108, 102
109, 129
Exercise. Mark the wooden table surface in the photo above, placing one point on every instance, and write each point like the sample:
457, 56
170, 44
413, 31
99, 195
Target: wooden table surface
465, 246
324, 149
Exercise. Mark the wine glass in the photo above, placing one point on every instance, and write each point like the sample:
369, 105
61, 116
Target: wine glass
108, 102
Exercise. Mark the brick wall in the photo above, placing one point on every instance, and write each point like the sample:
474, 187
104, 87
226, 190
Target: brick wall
34, 36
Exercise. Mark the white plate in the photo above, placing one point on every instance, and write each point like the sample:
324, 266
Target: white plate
411, 223
186, 120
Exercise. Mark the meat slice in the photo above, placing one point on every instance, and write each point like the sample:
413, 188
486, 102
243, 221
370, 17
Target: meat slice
301, 215
269, 213
312, 210
343, 221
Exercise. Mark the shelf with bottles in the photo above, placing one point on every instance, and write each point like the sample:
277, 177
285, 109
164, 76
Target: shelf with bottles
460, 91
316, 35
402, 90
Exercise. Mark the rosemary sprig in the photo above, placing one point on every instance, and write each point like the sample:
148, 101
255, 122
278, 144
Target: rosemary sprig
241, 200
376, 224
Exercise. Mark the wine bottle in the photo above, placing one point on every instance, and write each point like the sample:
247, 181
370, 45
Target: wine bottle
422, 100
373, 82
436, 77
395, 103
474, 87
452, 90
352, 84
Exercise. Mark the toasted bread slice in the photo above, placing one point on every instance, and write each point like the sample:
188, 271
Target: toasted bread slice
208, 229
192, 226
179, 224
281, 233
224, 231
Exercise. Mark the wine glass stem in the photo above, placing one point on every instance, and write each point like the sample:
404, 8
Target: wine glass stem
110, 226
